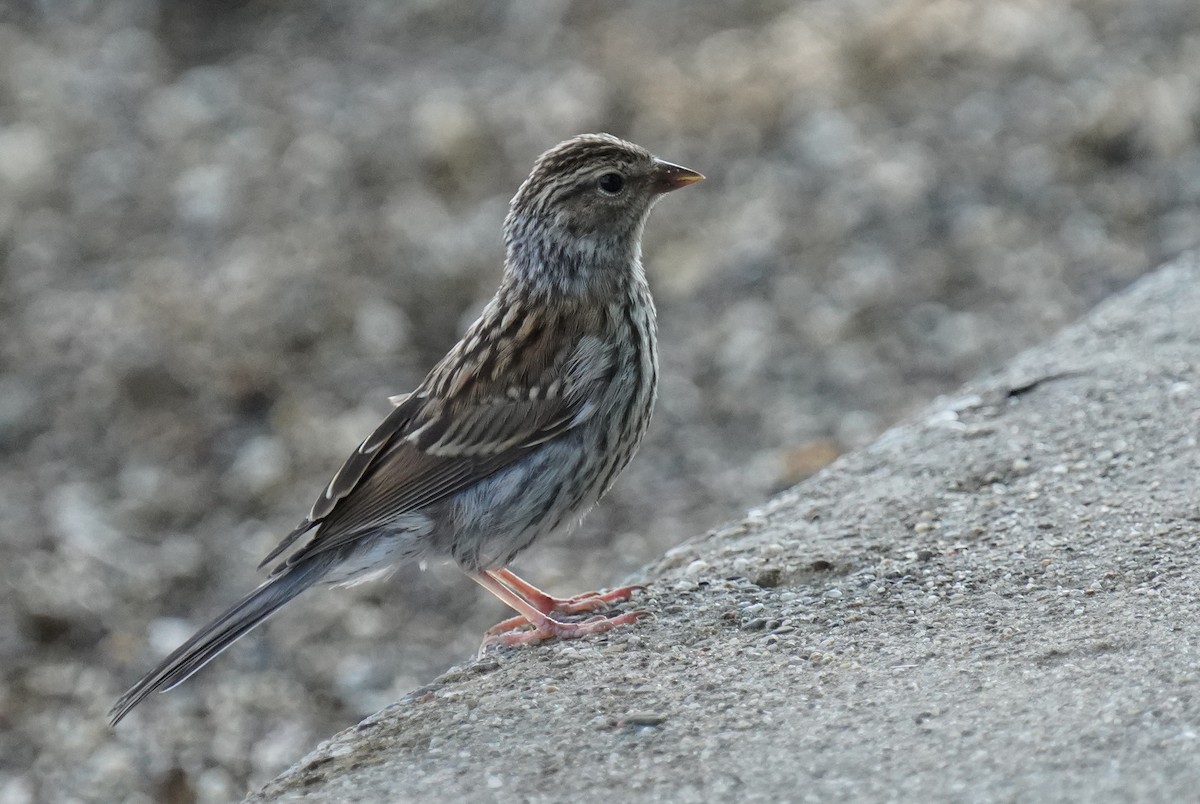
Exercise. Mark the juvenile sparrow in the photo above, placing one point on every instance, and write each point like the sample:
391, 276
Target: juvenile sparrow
516, 432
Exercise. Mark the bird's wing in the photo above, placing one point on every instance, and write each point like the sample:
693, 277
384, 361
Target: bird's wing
476, 413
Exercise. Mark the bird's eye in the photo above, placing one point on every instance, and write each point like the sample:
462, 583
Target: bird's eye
611, 183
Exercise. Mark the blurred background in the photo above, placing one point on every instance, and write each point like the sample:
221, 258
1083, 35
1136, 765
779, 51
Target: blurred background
229, 229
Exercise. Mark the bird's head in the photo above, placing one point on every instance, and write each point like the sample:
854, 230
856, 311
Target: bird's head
585, 203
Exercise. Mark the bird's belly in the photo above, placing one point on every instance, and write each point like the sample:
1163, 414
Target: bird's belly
550, 488
503, 514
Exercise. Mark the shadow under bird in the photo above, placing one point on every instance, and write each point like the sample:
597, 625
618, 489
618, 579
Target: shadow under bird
515, 433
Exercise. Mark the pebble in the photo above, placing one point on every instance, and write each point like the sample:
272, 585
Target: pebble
26, 162
644, 719
261, 463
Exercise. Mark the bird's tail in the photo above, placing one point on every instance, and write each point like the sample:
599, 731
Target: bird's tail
209, 641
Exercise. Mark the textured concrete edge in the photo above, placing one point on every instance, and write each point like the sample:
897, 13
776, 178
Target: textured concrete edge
1124, 314
1131, 313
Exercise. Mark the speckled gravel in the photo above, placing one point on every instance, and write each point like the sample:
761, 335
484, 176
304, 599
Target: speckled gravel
231, 230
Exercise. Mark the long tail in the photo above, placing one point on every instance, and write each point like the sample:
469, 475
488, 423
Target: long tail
209, 641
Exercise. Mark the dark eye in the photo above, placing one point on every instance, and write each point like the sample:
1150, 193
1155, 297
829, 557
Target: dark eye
611, 183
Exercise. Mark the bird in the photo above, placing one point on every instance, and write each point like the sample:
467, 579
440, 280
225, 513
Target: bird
514, 434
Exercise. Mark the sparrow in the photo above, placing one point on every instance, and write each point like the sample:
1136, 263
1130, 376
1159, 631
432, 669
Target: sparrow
519, 430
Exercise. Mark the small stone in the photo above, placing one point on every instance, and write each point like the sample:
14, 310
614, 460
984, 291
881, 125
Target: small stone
204, 197
261, 463
167, 633
644, 719
26, 163
768, 578
381, 327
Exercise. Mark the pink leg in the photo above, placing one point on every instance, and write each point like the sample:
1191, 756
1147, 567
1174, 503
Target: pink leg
548, 604
543, 627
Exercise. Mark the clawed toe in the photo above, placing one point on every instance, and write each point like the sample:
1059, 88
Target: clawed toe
550, 629
511, 624
534, 624
590, 601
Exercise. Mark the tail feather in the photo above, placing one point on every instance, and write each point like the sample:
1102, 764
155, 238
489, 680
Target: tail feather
207, 643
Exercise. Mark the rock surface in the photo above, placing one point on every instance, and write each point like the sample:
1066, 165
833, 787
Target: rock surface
998, 600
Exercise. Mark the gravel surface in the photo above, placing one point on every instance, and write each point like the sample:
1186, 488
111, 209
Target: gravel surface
997, 601
231, 229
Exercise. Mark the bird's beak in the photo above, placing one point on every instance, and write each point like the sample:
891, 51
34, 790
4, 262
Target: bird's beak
668, 177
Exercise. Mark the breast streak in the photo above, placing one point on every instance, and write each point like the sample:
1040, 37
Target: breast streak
633, 393
556, 484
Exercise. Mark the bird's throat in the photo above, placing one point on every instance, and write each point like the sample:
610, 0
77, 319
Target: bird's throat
579, 267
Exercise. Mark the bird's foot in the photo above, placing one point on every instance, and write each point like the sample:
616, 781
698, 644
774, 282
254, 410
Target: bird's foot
520, 631
590, 601
579, 604
534, 624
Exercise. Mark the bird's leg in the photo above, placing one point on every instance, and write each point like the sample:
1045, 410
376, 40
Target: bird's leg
542, 626
548, 604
